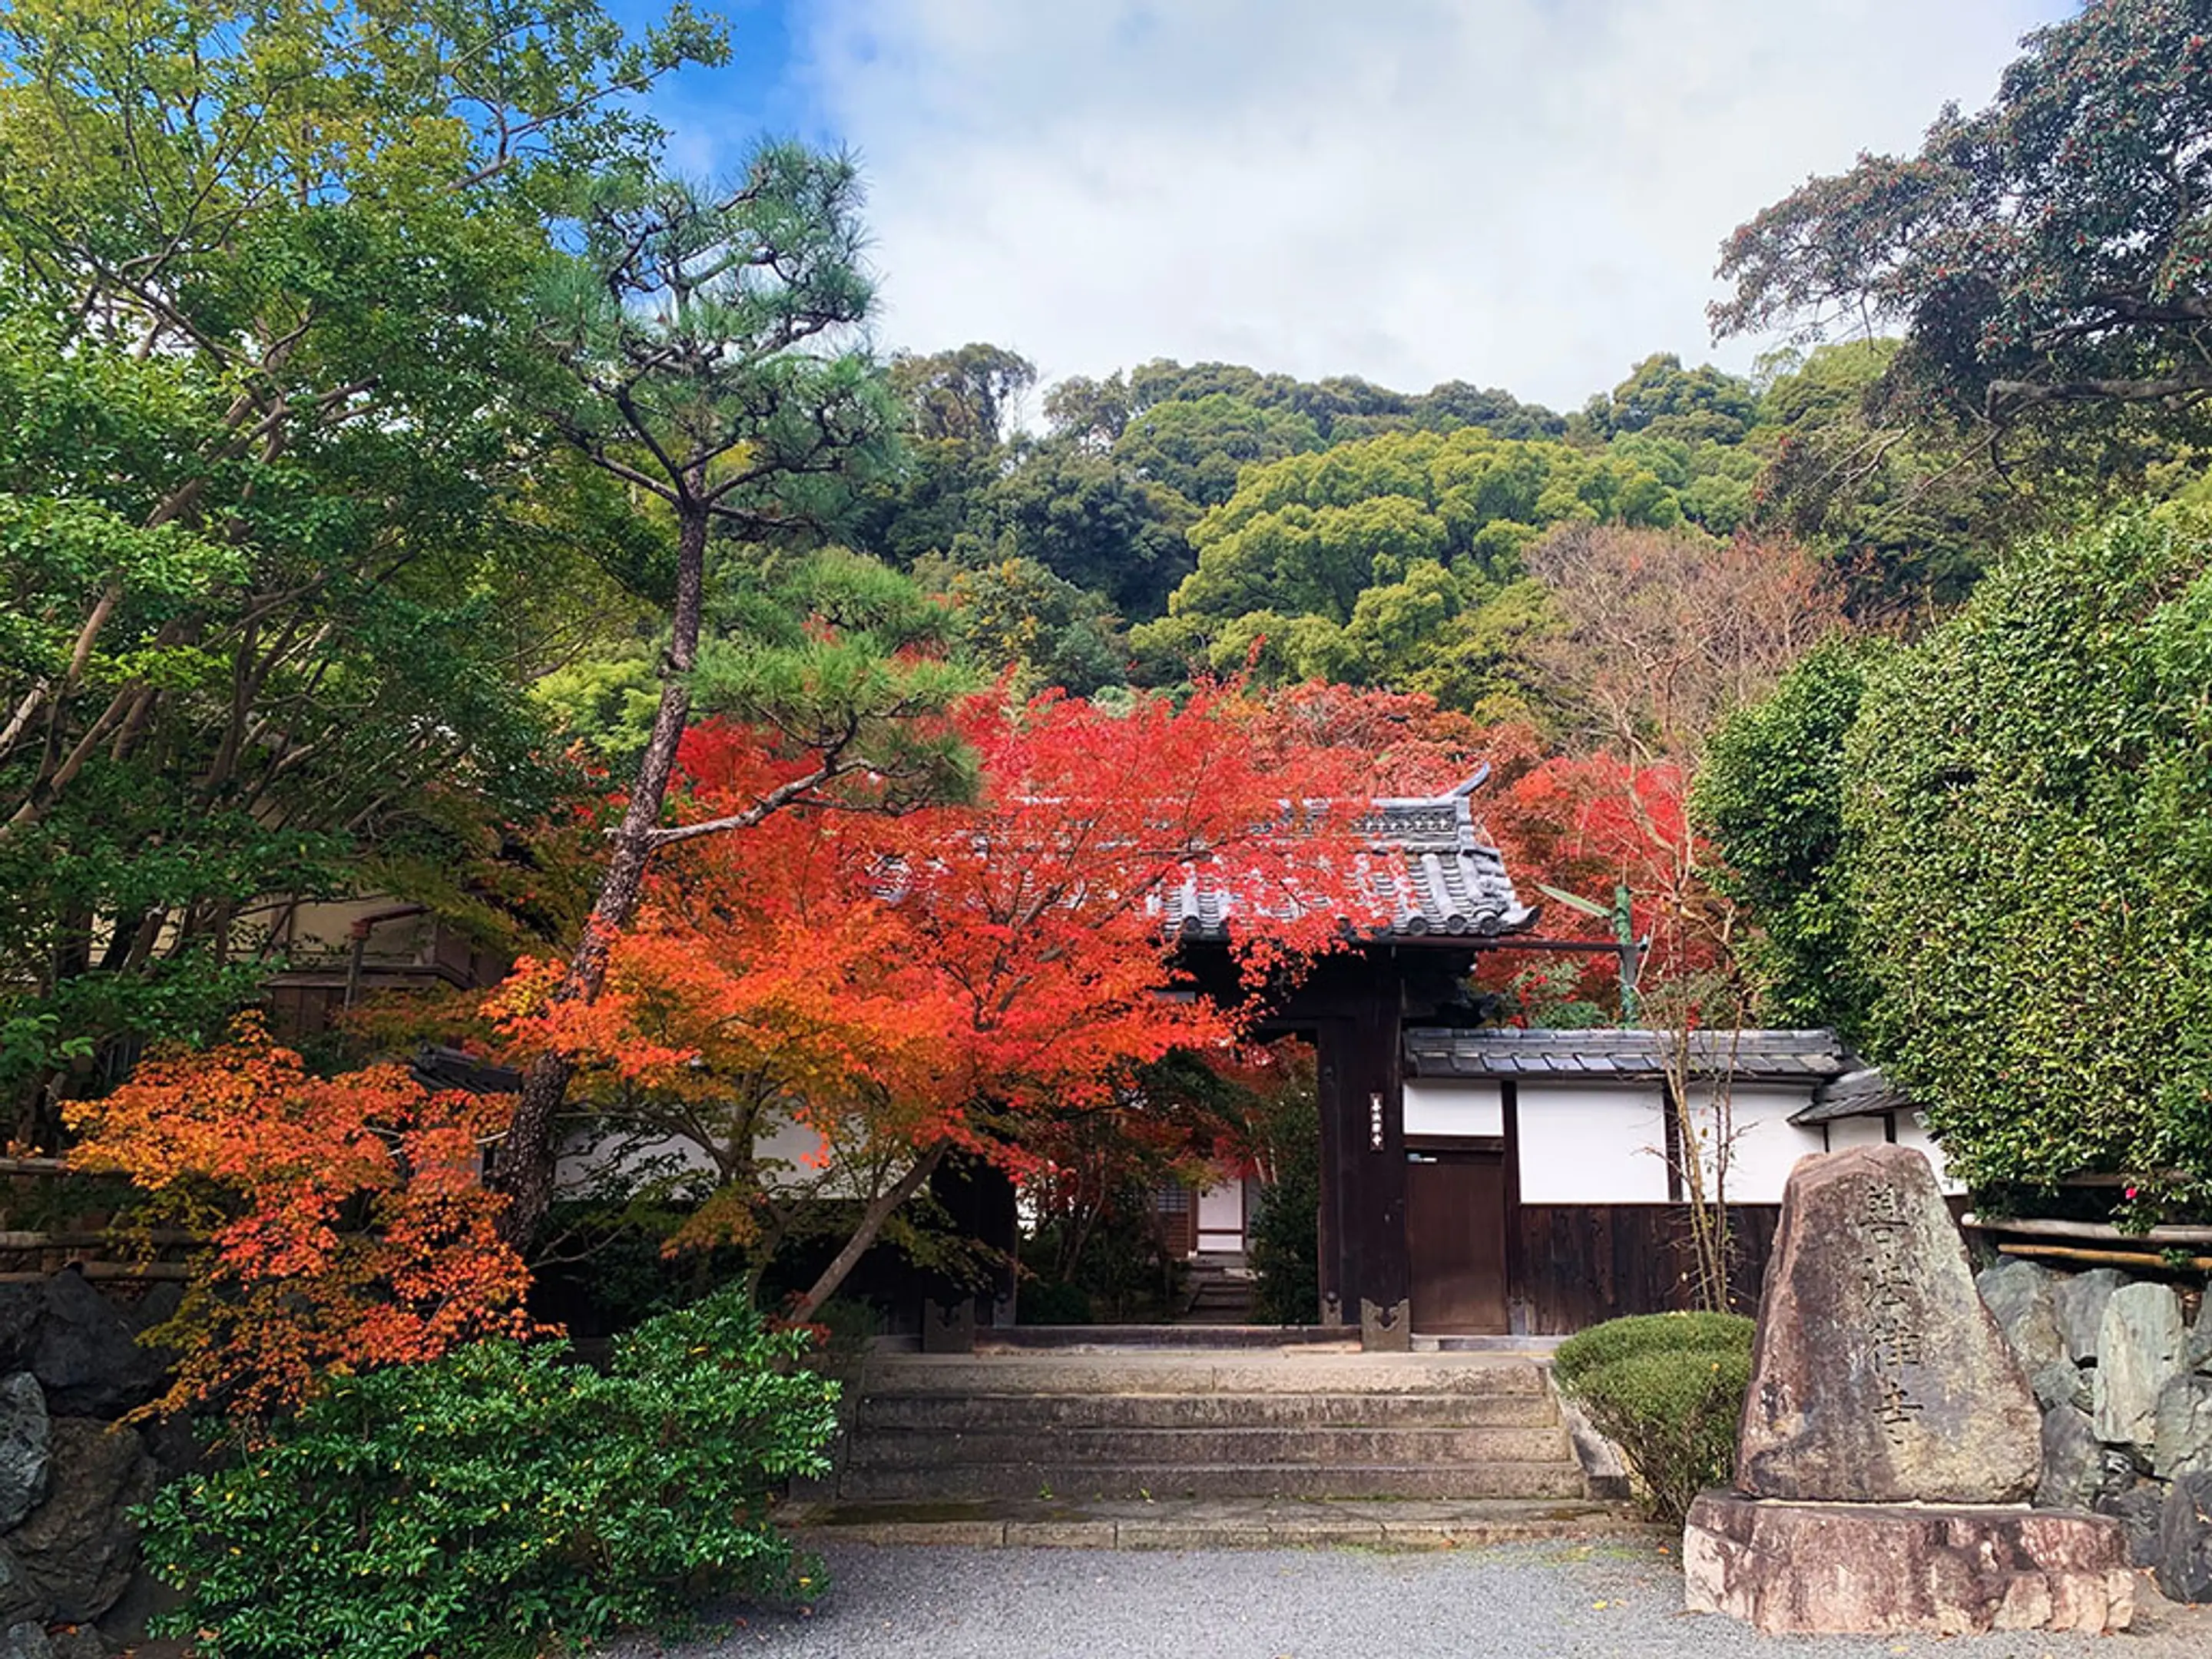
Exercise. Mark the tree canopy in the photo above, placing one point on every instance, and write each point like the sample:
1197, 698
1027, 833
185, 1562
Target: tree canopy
2048, 258
282, 550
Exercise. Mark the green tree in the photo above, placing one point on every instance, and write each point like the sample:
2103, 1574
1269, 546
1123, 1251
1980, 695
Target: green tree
1660, 397
961, 395
1198, 447
1091, 520
2046, 258
1909, 517
1017, 614
280, 556
1771, 795
1093, 414
1377, 560
715, 368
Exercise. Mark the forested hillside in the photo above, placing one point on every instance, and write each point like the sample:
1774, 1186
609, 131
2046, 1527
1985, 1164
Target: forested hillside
1175, 519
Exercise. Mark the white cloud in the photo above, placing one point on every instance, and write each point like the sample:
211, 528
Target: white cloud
1525, 193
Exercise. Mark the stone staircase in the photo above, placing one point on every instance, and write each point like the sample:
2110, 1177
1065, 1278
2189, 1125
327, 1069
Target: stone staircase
939, 1428
1217, 1290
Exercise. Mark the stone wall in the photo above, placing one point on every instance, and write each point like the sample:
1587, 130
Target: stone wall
71, 1366
2125, 1383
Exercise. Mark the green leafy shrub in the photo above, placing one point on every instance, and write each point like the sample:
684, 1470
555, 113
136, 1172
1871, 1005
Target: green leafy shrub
502, 1501
1048, 1302
1284, 1244
1667, 1389
2028, 814
1771, 795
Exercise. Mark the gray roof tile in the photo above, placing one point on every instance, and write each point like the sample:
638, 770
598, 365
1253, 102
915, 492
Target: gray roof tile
1436, 1052
1427, 864
1865, 1092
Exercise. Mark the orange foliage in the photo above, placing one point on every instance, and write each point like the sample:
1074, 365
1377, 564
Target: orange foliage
1587, 823
966, 975
1391, 743
347, 1225
982, 976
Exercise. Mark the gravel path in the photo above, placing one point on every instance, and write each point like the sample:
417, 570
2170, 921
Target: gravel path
1530, 1601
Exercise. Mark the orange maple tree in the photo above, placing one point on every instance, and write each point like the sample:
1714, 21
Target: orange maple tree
1588, 824
346, 1221
963, 978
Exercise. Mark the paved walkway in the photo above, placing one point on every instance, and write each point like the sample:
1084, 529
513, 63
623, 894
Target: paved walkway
1615, 1600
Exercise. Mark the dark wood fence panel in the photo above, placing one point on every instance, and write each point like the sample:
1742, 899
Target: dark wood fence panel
1578, 1264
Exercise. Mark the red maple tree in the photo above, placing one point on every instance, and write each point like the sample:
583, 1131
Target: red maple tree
964, 977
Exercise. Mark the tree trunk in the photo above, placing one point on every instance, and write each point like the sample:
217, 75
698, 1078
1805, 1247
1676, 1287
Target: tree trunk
524, 1162
871, 1224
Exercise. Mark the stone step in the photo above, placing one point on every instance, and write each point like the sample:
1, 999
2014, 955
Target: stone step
960, 1482
1207, 1373
957, 1412
1221, 1298
1157, 1339
874, 1448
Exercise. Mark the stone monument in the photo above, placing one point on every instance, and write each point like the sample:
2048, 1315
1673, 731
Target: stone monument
1889, 1439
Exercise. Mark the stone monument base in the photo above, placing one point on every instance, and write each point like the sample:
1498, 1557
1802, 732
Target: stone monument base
1881, 1569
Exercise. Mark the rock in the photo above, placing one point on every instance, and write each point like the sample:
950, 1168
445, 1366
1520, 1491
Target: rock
23, 1438
2018, 1294
2184, 1564
21, 1307
79, 1548
1803, 1568
2062, 1382
1879, 1375
2181, 1438
87, 1355
2138, 1352
2073, 1461
2125, 1468
18, 1598
126, 1624
2198, 1354
173, 1444
2137, 1508
2078, 1300
82, 1643
25, 1641
158, 1306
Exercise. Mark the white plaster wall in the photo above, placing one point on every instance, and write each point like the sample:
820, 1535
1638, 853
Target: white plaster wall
1221, 1217
1591, 1143
585, 1163
1473, 1108
1912, 1131
1848, 1132
798, 1147
1764, 1145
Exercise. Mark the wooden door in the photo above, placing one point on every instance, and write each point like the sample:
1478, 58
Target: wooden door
1455, 1241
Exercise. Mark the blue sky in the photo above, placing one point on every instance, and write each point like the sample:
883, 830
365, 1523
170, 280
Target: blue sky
1524, 194
713, 114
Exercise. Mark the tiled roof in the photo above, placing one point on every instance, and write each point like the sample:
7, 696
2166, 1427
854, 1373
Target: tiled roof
1619, 1053
1427, 865
1865, 1092
436, 1067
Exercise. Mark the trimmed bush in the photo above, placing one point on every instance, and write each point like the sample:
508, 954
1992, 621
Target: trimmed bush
504, 1502
1667, 1389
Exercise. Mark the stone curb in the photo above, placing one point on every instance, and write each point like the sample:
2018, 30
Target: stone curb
1170, 1533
